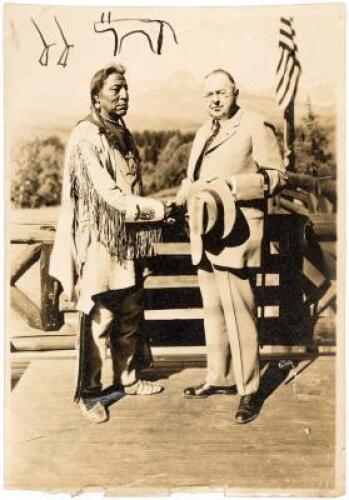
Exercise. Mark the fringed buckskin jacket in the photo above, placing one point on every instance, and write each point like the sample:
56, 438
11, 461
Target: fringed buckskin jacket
99, 239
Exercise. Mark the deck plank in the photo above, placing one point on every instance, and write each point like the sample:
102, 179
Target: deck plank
166, 443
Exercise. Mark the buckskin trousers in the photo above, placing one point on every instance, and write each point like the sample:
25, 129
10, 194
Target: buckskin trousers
114, 320
230, 330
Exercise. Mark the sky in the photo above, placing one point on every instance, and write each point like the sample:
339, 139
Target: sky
241, 39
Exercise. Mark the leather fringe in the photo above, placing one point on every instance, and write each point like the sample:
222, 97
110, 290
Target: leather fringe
107, 224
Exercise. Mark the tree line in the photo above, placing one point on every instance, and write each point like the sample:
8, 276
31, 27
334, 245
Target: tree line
38, 163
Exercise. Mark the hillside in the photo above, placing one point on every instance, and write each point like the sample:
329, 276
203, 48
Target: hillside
177, 103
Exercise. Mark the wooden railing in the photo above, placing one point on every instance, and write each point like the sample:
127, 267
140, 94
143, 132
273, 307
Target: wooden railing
306, 194
316, 197
47, 317
293, 302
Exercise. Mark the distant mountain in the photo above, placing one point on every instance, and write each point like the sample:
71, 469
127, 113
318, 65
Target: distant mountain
177, 103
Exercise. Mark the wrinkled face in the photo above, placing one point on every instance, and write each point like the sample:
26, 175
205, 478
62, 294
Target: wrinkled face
220, 95
112, 99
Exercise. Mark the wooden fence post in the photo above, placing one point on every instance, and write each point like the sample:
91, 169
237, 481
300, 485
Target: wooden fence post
26, 308
51, 317
29, 255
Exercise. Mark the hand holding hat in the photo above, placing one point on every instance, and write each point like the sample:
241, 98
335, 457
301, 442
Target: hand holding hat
211, 207
182, 195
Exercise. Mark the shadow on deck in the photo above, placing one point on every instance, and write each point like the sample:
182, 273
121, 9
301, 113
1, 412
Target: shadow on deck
165, 443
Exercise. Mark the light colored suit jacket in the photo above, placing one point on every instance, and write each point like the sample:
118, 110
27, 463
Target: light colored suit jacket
244, 146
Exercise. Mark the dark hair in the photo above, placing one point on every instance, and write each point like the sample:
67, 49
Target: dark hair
100, 77
224, 72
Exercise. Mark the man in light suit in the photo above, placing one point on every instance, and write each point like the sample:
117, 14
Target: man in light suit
239, 149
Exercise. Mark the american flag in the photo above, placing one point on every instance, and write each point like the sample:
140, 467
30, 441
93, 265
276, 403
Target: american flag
288, 68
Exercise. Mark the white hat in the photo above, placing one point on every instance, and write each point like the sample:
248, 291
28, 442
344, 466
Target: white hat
212, 213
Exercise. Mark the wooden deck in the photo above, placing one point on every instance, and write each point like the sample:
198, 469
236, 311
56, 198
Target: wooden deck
165, 443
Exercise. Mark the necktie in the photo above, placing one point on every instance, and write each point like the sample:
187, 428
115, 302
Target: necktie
214, 131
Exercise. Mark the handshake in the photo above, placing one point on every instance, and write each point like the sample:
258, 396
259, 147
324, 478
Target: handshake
174, 213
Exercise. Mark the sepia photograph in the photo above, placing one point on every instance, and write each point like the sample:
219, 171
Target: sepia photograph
174, 249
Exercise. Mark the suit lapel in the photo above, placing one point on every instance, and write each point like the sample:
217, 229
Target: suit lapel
198, 147
230, 129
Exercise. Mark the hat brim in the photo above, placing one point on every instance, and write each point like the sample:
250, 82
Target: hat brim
226, 197
205, 201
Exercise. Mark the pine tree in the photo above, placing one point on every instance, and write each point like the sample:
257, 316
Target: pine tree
312, 146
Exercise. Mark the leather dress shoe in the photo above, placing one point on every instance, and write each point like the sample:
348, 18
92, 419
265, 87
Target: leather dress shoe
205, 390
248, 409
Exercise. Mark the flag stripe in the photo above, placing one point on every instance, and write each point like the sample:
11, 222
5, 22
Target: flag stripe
288, 47
286, 90
290, 90
280, 92
289, 34
287, 44
288, 68
286, 21
281, 74
291, 84
281, 60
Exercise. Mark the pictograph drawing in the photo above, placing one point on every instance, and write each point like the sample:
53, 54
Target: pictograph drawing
121, 28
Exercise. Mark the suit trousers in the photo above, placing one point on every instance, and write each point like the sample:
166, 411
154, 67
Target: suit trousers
230, 330
114, 321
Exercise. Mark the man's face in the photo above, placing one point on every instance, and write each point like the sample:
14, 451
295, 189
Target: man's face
113, 97
220, 96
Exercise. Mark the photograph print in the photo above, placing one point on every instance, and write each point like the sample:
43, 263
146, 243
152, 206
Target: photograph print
174, 249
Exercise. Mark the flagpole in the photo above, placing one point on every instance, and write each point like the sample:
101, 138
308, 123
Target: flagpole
289, 137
